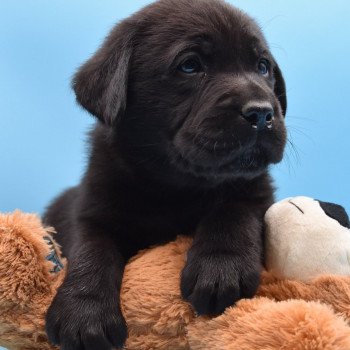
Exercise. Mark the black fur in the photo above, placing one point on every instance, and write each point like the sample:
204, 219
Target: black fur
171, 154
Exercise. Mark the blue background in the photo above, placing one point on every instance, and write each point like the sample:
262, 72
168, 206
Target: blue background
43, 131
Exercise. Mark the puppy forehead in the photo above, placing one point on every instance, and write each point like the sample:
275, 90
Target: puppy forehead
208, 26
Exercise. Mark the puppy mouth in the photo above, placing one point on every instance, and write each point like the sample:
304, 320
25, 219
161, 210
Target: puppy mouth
221, 159
227, 153
214, 146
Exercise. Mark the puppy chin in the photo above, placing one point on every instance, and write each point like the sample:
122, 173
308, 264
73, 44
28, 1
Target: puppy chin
220, 168
219, 161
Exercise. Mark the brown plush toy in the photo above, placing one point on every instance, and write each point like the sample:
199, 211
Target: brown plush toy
286, 314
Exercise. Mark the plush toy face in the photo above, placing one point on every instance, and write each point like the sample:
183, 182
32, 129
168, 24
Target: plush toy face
306, 238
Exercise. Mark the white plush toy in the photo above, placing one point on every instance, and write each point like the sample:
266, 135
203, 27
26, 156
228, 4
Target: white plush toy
306, 238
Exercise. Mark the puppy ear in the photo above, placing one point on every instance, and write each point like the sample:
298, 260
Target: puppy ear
280, 89
101, 83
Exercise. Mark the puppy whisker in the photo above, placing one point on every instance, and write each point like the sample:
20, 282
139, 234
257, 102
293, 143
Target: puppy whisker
298, 130
292, 150
302, 118
269, 21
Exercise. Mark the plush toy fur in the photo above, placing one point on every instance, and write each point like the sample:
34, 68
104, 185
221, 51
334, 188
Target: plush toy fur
286, 314
303, 241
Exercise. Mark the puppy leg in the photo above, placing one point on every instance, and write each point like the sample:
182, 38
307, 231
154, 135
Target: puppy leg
225, 260
85, 313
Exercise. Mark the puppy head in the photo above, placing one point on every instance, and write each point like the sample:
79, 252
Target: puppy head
190, 85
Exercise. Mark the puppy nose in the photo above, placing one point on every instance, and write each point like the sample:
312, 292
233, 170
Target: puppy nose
258, 114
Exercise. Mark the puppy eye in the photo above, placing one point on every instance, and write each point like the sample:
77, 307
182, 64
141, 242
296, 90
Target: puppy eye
263, 67
190, 66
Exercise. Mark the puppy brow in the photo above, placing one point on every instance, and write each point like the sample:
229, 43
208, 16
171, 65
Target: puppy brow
181, 49
191, 46
200, 43
264, 52
260, 51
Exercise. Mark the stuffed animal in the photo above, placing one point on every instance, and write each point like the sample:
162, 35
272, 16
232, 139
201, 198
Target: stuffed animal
306, 238
286, 314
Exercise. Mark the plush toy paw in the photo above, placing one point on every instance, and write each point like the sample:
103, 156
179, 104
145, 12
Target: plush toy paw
85, 323
211, 283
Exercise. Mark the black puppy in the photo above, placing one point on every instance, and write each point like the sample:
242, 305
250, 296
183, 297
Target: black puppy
191, 109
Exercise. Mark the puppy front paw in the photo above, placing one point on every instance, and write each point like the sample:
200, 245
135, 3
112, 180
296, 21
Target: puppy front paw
213, 282
85, 322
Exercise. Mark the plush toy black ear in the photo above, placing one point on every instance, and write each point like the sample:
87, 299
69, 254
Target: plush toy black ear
336, 212
101, 83
280, 89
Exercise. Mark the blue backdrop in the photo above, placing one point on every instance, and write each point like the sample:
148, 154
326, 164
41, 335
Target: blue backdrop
42, 131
